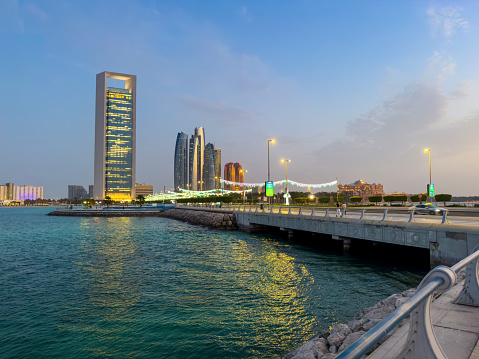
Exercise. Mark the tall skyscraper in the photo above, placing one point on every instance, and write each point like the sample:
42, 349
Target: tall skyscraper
217, 168
181, 162
193, 178
239, 175
229, 174
75, 191
115, 137
209, 169
90, 191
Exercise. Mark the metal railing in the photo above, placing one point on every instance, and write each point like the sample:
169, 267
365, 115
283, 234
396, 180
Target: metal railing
421, 341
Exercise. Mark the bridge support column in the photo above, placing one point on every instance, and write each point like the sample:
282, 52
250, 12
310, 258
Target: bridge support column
346, 242
290, 234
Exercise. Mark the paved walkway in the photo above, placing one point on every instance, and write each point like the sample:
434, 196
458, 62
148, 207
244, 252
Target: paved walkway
456, 327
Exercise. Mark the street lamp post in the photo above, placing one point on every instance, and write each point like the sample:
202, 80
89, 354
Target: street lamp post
269, 172
430, 181
286, 188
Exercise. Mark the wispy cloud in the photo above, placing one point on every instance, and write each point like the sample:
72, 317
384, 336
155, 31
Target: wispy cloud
244, 12
446, 20
441, 65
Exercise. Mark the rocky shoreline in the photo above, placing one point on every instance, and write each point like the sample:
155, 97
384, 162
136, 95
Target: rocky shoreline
214, 220
341, 336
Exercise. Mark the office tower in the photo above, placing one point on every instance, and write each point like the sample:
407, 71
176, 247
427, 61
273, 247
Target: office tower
194, 149
181, 162
209, 169
239, 175
229, 175
115, 137
27, 192
10, 195
144, 189
200, 132
75, 191
90, 191
3, 193
217, 168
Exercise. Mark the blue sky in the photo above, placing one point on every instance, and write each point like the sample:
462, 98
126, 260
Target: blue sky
349, 89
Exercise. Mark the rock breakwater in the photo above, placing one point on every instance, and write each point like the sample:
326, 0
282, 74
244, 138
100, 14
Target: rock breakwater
208, 219
341, 336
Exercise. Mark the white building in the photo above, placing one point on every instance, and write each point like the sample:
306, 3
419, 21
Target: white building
22, 193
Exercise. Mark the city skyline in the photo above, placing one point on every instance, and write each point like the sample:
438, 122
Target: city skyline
348, 90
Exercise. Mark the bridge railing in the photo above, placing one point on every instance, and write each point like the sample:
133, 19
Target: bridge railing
421, 341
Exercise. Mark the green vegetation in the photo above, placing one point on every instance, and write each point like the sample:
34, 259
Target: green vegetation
108, 201
223, 199
140, 199
324, 199
356, 199
375, 199
396, 198
443, 198
89, 202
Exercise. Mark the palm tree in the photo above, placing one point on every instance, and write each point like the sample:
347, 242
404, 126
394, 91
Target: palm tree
141, 199
108, 201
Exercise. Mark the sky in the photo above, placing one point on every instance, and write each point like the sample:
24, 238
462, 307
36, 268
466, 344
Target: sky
348, 89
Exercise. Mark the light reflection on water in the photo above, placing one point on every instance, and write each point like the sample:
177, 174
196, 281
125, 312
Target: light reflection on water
152, 287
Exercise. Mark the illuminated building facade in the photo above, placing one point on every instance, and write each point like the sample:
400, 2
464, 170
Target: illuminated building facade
197, 160
75, 191
229, 174
239, 175
10, 196
28, 192
143, 189
217, 168
361, 189
115, 138
209, 168
181, 162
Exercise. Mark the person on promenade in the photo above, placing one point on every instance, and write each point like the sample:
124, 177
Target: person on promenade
344, 207
338, 210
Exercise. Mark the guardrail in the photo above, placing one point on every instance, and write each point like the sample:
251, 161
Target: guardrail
421, 341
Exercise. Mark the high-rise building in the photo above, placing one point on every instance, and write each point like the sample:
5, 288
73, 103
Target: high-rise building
3, 193
144, 189
217, 168
78, 192
28, 192
90, 191
194, 149
181, 162
115, 137
239, 175
229, 174
209, 169
10, 195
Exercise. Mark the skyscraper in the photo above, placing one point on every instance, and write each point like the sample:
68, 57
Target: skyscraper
239, 175
181, 162
229, 174
197, 159
115, 137
75, 191
209, 169
217, 167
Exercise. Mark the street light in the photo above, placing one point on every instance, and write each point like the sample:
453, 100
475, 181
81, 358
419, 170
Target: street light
269, 175
429, 151
286, 162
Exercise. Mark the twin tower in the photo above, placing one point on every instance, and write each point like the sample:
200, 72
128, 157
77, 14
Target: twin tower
197, 167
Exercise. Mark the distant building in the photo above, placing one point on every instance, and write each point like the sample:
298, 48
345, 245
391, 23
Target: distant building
90, 191
10, 195
181, 162
76, 191
3, 193
144, 189
115, 137
196, 159
217, 168
229, 174
209, 167
28, 192
239, 175
361, 189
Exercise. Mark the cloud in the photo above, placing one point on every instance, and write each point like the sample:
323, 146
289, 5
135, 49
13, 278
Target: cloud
386, 143
441, 65
245, 14
446, 20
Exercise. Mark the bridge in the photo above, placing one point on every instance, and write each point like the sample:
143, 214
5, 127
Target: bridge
449, 238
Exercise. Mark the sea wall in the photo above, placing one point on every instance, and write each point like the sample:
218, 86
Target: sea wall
341, 336
208, 219
103, 213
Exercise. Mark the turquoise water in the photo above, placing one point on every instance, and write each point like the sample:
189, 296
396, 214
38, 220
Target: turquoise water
73, 287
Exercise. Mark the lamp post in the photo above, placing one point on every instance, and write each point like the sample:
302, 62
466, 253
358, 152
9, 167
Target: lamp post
429, 151
269, 172
286, 162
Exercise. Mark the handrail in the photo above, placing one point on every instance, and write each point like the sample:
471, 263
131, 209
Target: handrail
421, 341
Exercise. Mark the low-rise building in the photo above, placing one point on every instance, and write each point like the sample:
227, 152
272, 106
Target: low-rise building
144, 189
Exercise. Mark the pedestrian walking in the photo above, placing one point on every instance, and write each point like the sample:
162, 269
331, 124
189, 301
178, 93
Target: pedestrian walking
344, 208
338, 210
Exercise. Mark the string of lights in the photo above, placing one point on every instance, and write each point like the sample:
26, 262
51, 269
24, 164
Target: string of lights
278, 183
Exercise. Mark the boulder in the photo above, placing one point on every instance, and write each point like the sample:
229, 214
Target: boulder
350, 339
316, 346
338, 333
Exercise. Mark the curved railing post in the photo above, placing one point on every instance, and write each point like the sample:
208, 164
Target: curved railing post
444, 217
421, 341
279, 209
271, 209
385, 215
343, 212
289, 212
299, 212
411, 215
312, 211
326, 214
470, 293
362, 213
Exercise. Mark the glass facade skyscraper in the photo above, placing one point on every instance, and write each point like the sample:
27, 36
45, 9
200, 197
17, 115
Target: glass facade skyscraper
181, 162
115, 138
209, 167
217, 168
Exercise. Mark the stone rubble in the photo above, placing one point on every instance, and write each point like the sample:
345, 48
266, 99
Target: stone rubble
214, 220
341, 336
